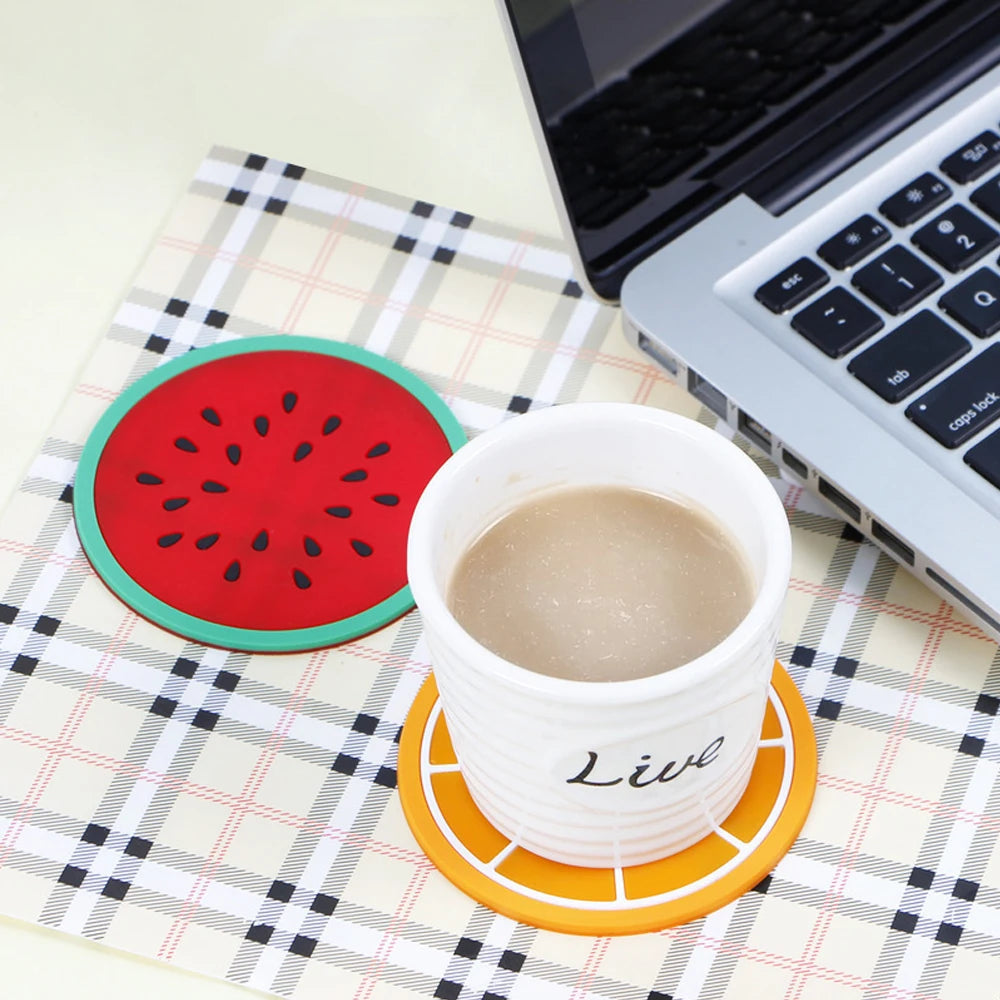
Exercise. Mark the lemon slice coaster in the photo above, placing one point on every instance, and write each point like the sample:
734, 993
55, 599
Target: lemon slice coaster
498, 873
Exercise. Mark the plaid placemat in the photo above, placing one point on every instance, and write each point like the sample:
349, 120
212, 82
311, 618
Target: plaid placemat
237, 814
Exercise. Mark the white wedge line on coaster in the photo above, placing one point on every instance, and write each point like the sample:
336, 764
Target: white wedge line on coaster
621, 901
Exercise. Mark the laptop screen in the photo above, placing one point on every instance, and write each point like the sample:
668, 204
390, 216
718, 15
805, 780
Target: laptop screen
657, 111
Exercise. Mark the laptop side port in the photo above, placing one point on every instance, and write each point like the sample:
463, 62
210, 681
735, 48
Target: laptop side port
703, 390
895, 545
658, 354
962, 599
755, 432
795, 464
839, 500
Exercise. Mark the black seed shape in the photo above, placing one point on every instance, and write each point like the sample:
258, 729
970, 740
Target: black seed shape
211, 486
302, 450
354, 476
211, 416
301, 580
165, 541
362, 548
386, 499
207, 541
311, 546
260, 542
232, 573
332, 423
339, 511
148, 479
233, 453
379, 449
288, 401
175, 503
261, 425
185, 444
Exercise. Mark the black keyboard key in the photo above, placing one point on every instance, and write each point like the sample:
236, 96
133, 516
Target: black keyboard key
850, 14
904, 360
854, 242
985, 458
973, 159
898, 10
780, 31
793, 285
792, 83
837, 322
672, 165
914, 201
975, 302
964, 403
849, 41
747, 91
599, 206
897, 280
987, 197
956, 238
736, 122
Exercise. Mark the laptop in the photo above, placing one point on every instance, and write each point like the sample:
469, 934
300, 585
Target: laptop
797, 205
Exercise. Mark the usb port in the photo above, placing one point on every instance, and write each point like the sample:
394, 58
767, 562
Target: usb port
795, 464
756, 432
702, 389
882, 534
658, 354
838, 499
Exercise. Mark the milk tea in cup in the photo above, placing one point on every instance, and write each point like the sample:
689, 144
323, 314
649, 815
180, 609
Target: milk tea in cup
601, 583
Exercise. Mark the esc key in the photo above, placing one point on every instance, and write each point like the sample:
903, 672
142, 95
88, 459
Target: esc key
793, 285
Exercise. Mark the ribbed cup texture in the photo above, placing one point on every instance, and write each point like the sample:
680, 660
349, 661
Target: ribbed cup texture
507, 742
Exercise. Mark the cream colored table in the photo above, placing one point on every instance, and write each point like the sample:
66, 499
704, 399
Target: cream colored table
107, 109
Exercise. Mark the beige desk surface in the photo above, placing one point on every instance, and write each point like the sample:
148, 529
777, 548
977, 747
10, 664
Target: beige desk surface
106, 110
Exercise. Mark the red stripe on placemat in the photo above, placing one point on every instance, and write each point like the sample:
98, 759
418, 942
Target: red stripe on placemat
941, 619
637, 365
216, 856
371, 976
57, 752
206, 793
688, 936
330, 241
651, 378
588, 970
46, 555
482, 327
932, 807
862, 825
96, 391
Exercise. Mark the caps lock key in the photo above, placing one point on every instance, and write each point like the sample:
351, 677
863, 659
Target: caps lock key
964, 403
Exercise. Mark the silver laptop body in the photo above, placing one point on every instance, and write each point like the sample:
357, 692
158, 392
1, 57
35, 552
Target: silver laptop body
834, 299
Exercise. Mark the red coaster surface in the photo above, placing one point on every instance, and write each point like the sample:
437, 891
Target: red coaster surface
257, 494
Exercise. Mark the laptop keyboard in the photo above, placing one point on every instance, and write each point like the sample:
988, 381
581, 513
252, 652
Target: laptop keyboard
885, 319
695, 99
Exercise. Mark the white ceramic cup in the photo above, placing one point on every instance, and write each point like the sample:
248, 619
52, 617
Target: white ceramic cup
668, 755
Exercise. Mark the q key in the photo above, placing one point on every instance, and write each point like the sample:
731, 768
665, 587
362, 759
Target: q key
975, 302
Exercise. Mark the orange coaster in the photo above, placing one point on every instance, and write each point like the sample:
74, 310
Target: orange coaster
481, 861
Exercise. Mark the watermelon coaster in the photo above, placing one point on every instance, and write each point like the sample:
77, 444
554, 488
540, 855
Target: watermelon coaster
257, 494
